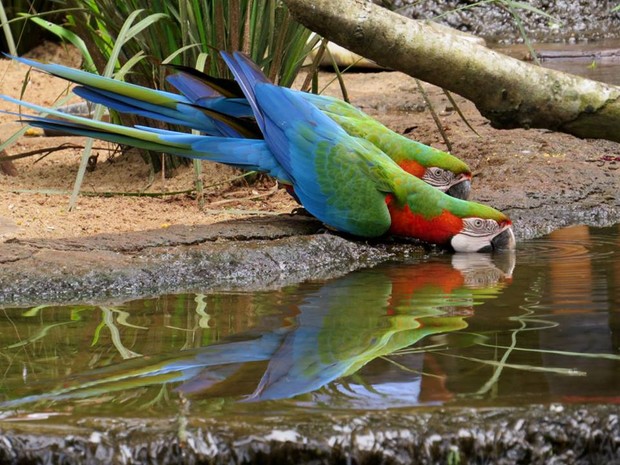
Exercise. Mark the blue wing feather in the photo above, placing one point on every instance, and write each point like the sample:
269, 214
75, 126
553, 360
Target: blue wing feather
329, 169
199, 93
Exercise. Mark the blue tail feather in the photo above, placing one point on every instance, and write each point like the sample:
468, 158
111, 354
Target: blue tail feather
248, 154
190, 118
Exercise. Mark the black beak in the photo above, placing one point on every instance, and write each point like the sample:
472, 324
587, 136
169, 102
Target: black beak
504, 240
460, 190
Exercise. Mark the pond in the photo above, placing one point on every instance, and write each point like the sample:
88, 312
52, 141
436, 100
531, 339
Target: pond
598, 60
541, 325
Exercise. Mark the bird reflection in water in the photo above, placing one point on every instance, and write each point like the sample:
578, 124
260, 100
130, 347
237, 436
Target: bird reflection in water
339, 327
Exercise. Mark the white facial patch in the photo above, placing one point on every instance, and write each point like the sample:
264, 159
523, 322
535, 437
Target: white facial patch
477, 234
439, 178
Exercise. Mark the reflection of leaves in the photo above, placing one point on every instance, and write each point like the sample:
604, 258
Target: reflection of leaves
108, 319
122, 318
39, 335
518, 366
556, 352
201, 309
33, 311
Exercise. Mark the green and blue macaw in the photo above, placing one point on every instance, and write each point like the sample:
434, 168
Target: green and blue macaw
217, 107
345, 181
439, 169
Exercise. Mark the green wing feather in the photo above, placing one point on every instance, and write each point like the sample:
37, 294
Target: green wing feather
398, 147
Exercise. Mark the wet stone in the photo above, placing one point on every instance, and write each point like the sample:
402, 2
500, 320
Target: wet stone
534, 435
249, 254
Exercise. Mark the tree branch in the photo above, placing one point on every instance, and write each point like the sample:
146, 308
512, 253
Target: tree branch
509, 92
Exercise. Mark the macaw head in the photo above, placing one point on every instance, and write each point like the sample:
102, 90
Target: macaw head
439, 169
484, 235
453, 223
455, 184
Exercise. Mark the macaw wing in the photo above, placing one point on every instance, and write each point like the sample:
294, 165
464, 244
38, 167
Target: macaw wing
333, 188
330, 170
338, 328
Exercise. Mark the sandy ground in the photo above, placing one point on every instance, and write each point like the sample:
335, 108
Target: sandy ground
513, 168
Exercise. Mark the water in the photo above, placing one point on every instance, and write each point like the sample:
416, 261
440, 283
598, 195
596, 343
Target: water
598, 60
539, 326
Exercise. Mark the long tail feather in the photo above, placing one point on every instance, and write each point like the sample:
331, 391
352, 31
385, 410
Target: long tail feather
156, 97
247, 154
159, 105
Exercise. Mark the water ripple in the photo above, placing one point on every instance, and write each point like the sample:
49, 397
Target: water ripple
562, 250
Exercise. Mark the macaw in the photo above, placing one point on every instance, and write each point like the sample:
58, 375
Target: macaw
217, 107
439, 169
345, 181
350, 184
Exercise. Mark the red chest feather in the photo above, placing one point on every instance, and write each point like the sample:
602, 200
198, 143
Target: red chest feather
438, 229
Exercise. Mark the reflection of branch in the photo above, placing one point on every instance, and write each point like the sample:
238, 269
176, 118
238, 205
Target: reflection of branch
556, 352
41, 334
108, 319
517, 366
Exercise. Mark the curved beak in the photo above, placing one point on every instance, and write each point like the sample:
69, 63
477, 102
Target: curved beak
461, 189
505, 240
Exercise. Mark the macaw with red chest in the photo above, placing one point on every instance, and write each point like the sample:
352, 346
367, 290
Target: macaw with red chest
345, 181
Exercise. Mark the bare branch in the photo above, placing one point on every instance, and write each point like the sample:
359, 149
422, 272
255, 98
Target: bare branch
509, 92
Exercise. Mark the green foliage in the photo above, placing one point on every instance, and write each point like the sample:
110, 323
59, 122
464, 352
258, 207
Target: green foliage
191, 33
17, 36
187, 32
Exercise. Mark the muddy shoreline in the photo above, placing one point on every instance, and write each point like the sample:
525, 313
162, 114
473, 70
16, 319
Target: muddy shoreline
252, 254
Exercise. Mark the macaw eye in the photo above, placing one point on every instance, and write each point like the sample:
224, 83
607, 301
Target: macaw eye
480, 227
438, 177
